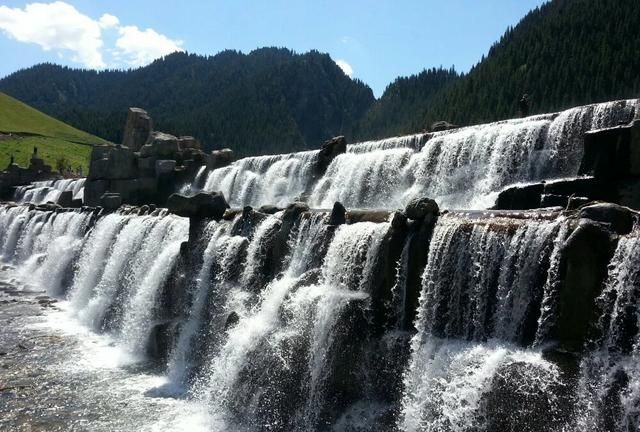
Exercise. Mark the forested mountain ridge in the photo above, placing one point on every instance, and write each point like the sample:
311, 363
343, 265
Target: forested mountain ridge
561, 54
270, 100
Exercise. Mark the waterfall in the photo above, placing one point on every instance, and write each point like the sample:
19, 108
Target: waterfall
275, 180
609, 387
128, 248
460, 168
284, 342
41, 192
481, 296
222, 249
42, 244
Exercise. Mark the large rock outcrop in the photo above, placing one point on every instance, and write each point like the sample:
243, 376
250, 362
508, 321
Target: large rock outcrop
137, 129
202, 205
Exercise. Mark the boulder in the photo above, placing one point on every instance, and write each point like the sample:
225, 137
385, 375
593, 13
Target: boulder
202, 205
440, 126
520, 197
422, 209
232, 319
583, 270
99, 169
65, 199
330, 149
165, 166
552, 200
619, 218
111, 201
137, 129
189, 142
147, 166
269, 209
165, 146
146, 151
121, 163
338, 214
93, 191
220, 158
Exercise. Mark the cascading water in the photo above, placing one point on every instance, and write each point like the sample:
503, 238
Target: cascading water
41, 192
481, 296
128, 246
461, 168
283, 322
284, 344
609, 387
255, 181
465, 168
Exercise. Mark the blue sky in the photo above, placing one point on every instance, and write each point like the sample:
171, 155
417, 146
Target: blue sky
375, 41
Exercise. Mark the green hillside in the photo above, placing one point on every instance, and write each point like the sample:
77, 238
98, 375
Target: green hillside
22, 128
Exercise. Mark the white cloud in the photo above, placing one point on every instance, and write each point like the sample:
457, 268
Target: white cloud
346, 67
56, 26
60, 27
142, 47
108, 21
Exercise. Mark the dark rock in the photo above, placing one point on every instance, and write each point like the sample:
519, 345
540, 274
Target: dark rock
398, 220
422, 209
577, 201
111, 201
619, 218
189, 142
232, 320
65, 199
552, 200
377, 216
440, 126
330, 149
338, 213
165, 146
165, 166
202, 205
121, 163
161, 340
612, 153
137, 129
586, 187
520, 197
269, 209
220, 158
583, 270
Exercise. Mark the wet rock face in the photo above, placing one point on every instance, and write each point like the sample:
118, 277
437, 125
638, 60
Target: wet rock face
619, 218
338, 214
422, 209
203, 205
583, 270
220, 158
137, 129
442, 126
540, 408
330, 149
111, 201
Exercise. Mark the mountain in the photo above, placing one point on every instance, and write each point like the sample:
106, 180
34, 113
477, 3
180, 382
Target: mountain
562, 54
270, 100
22, 128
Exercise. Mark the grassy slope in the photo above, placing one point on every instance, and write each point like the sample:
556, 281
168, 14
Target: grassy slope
55, 139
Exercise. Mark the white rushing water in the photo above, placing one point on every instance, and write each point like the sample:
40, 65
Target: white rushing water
461, 168
291, 315
481, 292
259, 180
609, 386
41, 192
